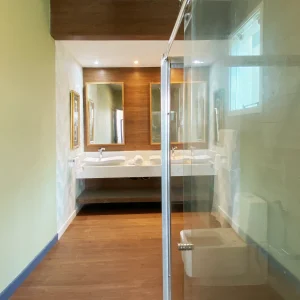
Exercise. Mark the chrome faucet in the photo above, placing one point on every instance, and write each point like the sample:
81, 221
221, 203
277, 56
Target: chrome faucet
101, 152
173, 151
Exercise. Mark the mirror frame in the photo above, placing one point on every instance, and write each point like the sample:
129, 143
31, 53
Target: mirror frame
93, 147
180, 145
74, 94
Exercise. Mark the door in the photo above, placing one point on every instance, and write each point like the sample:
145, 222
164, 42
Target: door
241, 148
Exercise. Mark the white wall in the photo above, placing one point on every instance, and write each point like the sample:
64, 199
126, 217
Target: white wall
68, 77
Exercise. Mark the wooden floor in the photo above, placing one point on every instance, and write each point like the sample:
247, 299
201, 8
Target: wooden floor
111, 252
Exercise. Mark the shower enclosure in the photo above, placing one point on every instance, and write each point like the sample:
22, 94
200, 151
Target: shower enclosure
240, 134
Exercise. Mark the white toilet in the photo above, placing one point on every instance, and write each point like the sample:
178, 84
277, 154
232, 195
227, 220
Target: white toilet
217, 252
221, 256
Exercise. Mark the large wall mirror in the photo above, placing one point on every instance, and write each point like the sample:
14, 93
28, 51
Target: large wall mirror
105, 113
194, 110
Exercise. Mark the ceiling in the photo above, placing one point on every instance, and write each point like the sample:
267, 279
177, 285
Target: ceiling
106, 54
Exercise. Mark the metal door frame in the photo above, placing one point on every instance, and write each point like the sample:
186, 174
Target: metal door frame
166, 65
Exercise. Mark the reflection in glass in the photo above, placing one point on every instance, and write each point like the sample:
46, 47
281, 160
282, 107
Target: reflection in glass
197, 109
243, 217
91, 108
105, 113
245, 82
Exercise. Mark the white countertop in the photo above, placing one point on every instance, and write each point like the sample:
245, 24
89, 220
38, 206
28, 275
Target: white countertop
146, 170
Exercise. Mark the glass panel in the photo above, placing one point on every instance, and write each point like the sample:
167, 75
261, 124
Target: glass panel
241, 192
176, 114
245, 83
198, 111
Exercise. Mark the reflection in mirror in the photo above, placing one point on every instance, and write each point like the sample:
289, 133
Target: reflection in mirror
219, 113
196, 109
91, 109
105, 113
176, 112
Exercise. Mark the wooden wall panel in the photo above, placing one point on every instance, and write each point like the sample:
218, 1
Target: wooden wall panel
136, 101
113, 19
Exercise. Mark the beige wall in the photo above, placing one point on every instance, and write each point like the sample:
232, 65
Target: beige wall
27, 130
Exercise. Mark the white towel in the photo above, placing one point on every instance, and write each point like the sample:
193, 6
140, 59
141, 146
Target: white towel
138, 160
78, 166
131, 162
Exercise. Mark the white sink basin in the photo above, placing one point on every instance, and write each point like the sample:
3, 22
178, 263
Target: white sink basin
108, 161
155, 160
180, 159
186, 159
200, 159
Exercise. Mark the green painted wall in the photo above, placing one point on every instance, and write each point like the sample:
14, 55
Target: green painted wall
27, 132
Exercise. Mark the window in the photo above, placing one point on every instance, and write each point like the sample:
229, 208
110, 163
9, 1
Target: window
245, 82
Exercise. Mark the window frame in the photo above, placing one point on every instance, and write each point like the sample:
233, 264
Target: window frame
257, 109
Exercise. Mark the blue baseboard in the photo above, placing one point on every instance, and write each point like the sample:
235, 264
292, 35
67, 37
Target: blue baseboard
12, 287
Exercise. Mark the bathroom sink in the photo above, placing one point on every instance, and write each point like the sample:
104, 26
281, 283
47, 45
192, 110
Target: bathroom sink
108, 161
180, 159
200, 159
155, 160
177, 160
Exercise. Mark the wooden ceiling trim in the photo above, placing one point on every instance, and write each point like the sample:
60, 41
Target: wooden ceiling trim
113, 19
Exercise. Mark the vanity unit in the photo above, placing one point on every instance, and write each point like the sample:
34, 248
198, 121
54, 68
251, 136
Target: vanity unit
114, 174
116, 178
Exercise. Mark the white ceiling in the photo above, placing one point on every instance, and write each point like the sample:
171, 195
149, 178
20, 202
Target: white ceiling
148, 53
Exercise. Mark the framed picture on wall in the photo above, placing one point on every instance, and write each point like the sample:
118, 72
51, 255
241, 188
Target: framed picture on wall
91, 109
75, 120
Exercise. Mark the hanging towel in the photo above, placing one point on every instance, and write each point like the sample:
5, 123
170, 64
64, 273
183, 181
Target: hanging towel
78, 166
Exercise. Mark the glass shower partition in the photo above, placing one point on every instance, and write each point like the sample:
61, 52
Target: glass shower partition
240, 158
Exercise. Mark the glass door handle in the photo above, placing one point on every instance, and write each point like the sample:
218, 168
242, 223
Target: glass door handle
185, 247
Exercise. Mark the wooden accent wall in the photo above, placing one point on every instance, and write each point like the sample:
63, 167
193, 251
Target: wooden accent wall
136, 102
113, 19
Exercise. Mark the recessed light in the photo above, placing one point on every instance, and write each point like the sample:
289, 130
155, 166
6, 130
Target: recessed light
96, 62
136, 62
198, 62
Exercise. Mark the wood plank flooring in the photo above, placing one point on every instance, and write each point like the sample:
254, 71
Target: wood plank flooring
114, 252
